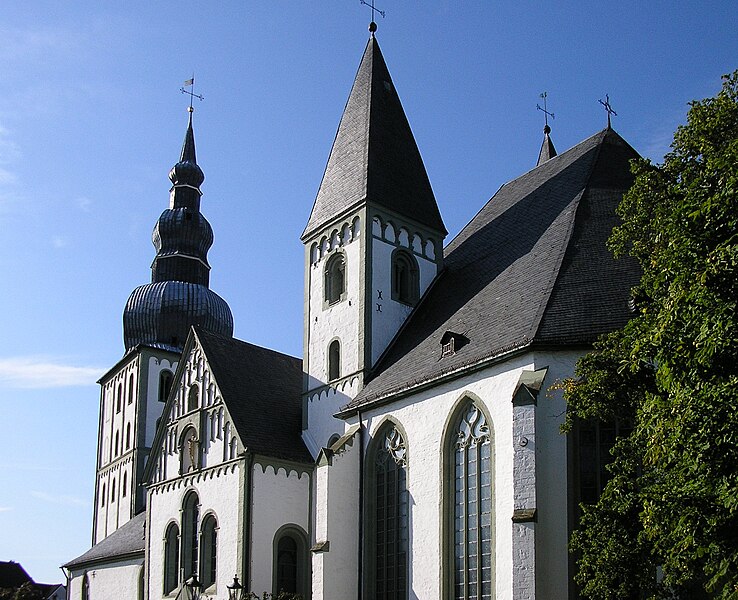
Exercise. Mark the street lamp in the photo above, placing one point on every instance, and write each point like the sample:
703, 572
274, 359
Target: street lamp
193, 584
235, 590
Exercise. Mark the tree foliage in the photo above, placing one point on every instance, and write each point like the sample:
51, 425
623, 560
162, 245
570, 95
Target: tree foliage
666, 525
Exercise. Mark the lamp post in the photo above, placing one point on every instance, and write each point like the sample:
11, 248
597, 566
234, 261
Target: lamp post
193, 584
235, 590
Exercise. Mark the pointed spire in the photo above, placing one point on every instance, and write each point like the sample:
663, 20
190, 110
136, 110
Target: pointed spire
188, 147
187, 172
547, 148
374, 158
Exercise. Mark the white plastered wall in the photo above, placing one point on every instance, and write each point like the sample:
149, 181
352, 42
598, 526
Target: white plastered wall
321, 406
116, 579
220, 491
280, 496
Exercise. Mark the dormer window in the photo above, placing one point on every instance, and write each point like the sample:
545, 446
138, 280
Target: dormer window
335, 278
452, 342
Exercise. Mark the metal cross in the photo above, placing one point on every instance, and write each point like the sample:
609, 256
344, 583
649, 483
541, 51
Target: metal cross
191, 93
608, 108
547, 114
371, 5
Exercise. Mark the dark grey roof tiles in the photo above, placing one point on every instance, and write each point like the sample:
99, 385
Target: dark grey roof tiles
262, 390
374, 156
123, 542
531, 267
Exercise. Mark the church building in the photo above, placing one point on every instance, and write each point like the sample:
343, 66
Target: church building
414, 452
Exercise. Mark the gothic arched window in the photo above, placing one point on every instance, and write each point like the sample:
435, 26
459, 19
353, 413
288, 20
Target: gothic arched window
190, 531
334, 360
335, 278
171, 558
388, 515
165, 384
291, 569
405, 277
209, 551
469, 500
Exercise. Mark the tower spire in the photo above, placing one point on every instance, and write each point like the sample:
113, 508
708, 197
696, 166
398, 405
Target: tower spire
547, 148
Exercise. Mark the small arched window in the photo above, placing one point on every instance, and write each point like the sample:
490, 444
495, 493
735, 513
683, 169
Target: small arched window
193, 398
112, 492
334, 360
124, 485
165, 384
130, 388
171, 558
209, 551
190, 531
290, 562
119, 398
102, 496
86, 587
128, 436
335, 278
405, 278
117, 443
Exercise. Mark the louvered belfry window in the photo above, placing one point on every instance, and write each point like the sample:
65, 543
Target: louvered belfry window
472, 505
391, 518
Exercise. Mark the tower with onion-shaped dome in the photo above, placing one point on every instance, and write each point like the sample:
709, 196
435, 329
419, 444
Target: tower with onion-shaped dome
156, 322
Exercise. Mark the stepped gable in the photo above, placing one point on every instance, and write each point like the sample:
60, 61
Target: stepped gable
261, 389
125, 541
374, 156
530, 269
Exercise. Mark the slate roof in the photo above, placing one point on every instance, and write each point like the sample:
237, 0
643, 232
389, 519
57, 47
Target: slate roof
530, 268
374, 155
261, 389
13, 575
124, 541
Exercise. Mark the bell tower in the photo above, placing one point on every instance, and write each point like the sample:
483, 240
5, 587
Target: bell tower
373, 244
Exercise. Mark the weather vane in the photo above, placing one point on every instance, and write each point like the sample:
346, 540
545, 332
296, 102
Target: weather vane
547, 114
372, 25
608, 108
191, 93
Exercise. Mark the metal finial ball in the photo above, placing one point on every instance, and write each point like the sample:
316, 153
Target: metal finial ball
546, 130
190, 109
372, 27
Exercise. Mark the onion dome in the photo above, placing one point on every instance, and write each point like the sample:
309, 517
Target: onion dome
160, 313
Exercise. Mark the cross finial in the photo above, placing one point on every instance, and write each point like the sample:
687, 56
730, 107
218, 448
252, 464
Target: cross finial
608, 108
372, 25
546, 114
191, 92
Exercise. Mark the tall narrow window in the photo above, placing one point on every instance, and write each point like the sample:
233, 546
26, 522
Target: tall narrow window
102, 496
130, 388
86, 587
209, 551
335, 278
190, 534
124, 485
165, 384
171, 558
291, 572
389, 515
128, 436
119, 398
193, 398
117, 443
112, 492
334, 360
405, 277
470, 534
595, 442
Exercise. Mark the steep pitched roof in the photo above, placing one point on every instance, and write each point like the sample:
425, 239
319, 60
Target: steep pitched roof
124, 541
374, 156
531, 267
261, 389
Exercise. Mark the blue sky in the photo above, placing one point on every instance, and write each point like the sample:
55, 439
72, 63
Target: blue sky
91, 121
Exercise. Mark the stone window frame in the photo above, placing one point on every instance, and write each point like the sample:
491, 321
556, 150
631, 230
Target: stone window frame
450, 442
333, 360
166, 379
376, 446
335, 265
405, 289
208, 564
190, 536
302, 562
171, 570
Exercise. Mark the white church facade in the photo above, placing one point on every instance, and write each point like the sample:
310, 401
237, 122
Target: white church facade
414, 452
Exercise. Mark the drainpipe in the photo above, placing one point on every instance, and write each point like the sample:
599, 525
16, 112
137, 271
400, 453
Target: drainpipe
360, 587
249, 515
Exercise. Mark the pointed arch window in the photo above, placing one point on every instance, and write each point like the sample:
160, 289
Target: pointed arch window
334, 360
469, 498
405, 277
165, 384
335, 278
171, 558
190, 531
209, 551
290, 560
388, 515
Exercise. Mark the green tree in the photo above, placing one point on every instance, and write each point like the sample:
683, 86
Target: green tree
666, 524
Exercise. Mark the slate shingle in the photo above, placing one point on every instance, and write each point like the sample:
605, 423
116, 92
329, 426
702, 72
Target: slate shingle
124, 541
